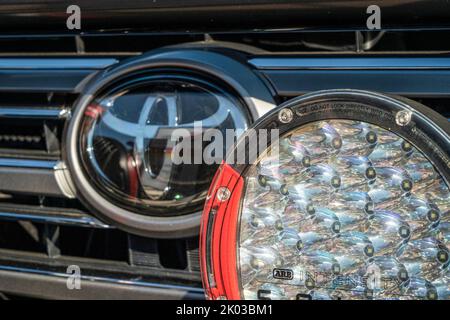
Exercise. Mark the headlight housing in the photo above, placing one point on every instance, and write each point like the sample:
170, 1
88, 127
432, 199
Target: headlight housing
351, 202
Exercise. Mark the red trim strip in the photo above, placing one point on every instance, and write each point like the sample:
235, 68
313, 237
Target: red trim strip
224, 235
133, 184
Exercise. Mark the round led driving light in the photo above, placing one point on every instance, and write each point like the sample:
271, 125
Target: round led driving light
348, 201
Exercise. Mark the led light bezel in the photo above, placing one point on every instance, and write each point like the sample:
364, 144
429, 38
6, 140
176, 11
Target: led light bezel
427, 130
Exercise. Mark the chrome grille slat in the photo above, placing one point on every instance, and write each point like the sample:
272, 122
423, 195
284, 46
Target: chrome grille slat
39, 181
36, 95
351, 63
56, 63
27, 163
40, 113
38, 177
59, 218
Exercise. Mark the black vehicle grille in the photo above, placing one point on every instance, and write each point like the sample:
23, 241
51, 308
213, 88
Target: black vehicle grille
42, 227
31, 125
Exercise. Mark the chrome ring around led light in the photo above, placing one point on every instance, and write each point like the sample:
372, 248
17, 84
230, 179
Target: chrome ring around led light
359, 198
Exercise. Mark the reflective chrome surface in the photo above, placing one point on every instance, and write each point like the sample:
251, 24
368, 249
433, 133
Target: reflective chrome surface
41, 113
56, 63
127, 144
179, 290
351, 63
27, 163
39, 177
62, 218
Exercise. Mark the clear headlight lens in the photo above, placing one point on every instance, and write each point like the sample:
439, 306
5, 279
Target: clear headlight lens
351, 211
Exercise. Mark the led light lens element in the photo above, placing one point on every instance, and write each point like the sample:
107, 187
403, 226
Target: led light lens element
367, 218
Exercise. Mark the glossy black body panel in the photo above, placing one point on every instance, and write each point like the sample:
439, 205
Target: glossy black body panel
42, 80
48, 75
411, 76
226, 15
412, 83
